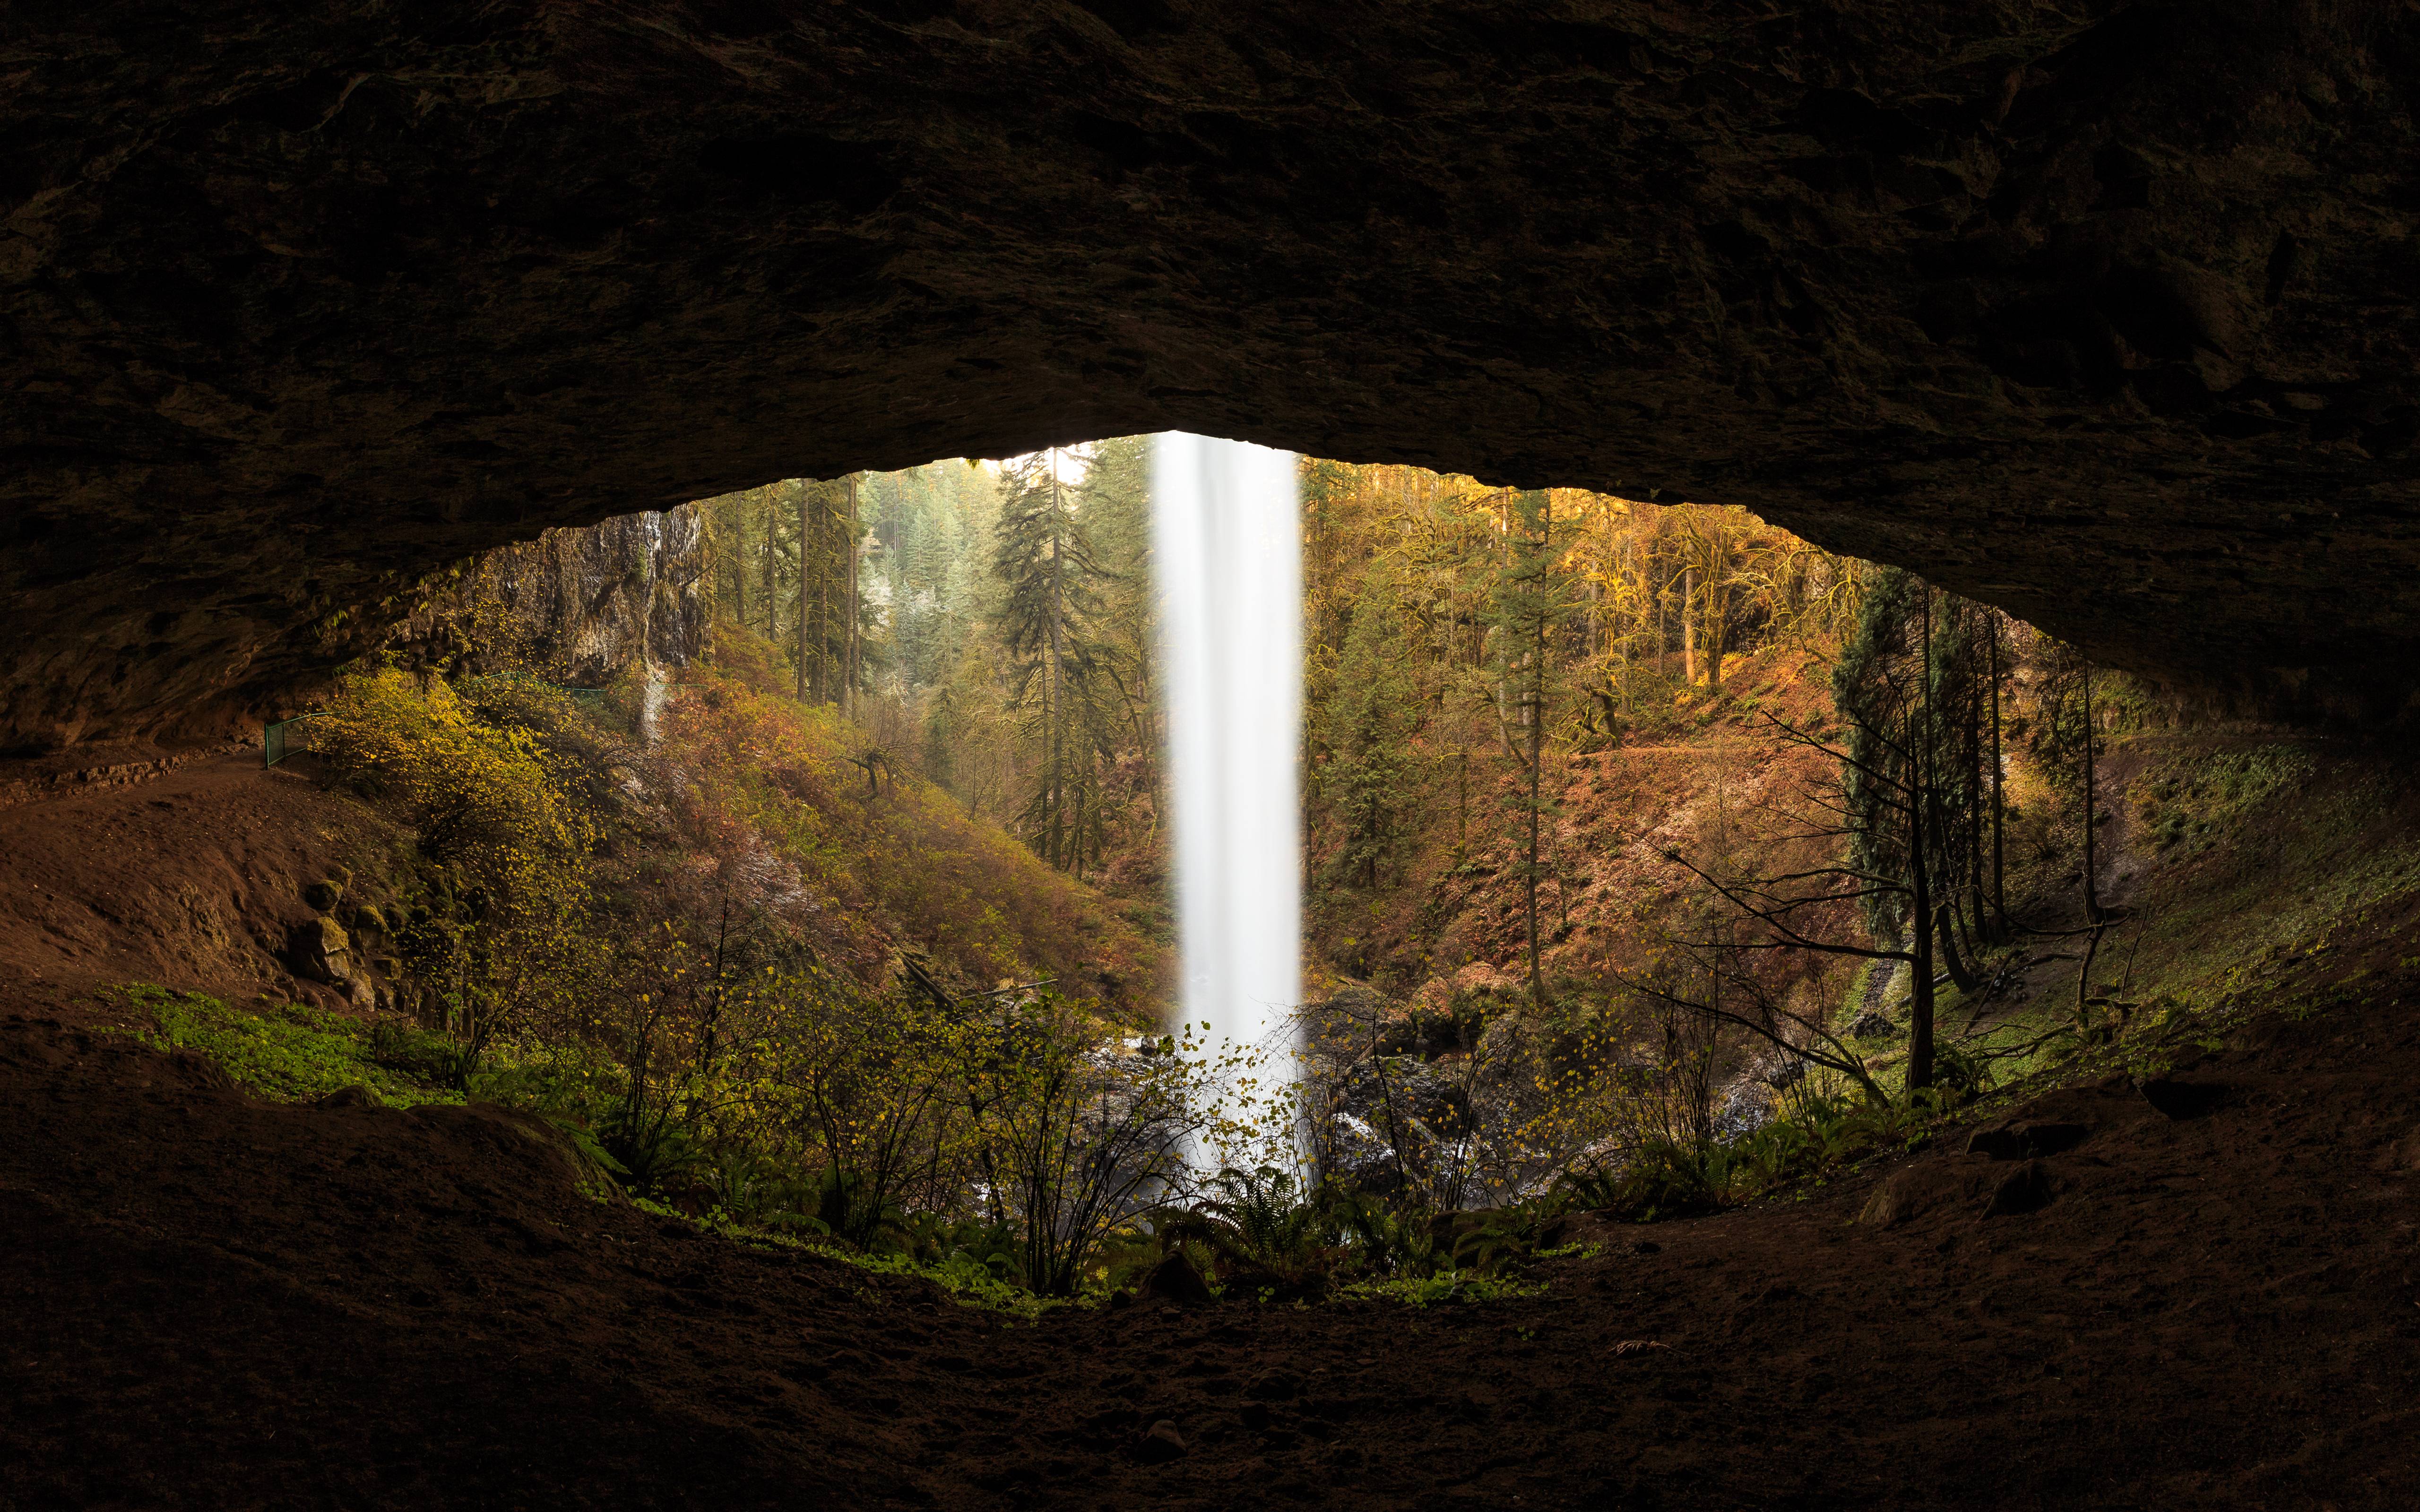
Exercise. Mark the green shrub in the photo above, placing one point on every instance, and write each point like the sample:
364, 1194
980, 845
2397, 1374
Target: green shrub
286, 1054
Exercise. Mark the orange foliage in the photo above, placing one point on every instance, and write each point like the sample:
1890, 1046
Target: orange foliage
889, 861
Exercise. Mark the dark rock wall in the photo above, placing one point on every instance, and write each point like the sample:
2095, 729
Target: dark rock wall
588, 604
2103, 312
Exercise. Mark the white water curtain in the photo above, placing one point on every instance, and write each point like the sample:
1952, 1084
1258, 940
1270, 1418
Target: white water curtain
1227, 546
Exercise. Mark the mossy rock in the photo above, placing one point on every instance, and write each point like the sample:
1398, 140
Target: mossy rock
323, 951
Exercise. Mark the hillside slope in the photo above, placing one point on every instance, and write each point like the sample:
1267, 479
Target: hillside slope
354, 1307
201, 877
893, 861
1451, 912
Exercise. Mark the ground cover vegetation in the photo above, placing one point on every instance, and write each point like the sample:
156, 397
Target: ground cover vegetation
1651, 854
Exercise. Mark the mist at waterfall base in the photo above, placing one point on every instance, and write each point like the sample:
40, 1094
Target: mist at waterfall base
1227, 545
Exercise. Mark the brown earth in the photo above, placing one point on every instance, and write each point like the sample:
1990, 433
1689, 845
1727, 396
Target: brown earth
193, 878
212, 1301
1708, 773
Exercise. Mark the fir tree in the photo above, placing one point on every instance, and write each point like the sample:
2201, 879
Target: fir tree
1369, 718
1048, 624
1530, 603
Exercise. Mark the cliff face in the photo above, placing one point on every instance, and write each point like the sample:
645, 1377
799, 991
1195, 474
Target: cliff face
587, 603
2103, 312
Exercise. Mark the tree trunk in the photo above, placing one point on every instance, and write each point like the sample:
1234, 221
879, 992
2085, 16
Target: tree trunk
1919, 1029
1976, 817
1662, 642
1999, 783
1533, 712
1053, 693
739, 557
1946, 920
2092, 812
1717, 618
1689, 626
771, 595
809, 673
1461, 803
826, 525
856, 540
1919, 995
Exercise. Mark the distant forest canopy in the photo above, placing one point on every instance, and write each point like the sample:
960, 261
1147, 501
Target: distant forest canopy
991, 626
1468, 649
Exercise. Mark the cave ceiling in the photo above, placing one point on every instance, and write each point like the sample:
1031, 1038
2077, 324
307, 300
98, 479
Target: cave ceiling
2101, 312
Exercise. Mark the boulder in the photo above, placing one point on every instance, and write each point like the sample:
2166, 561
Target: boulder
1272, 1387
322, 951
2026, 1140
2181, 1100
2026, 1188
1510, 1045
1174, 1280
1872, 1025
322, 894
1161, 1443
1916, 1190
1481, 979
1344, 1025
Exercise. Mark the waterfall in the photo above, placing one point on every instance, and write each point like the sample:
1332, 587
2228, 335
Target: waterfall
1226, 543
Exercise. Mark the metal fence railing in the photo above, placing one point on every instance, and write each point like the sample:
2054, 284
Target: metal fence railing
273, 737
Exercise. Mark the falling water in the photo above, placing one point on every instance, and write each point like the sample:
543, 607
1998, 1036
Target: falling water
1230, 568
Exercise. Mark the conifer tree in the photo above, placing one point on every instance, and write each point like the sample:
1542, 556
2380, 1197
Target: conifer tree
1531, 601
1116, 509
1048, 624
1369, 719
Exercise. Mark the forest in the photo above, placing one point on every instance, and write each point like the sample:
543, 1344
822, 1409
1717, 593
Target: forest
900, 754
1654, 860
1657, 866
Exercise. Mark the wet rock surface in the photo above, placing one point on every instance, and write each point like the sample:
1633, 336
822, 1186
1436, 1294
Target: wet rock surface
2102, 312
588, 604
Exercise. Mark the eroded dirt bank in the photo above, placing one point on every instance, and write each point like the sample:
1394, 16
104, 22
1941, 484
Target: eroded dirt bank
216, 1303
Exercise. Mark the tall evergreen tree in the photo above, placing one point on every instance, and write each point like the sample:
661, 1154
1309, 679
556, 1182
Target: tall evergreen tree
1048, 624
1531, 602
1369, 722
1116, 508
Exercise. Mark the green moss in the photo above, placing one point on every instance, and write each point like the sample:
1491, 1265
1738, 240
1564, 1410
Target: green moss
1445, 1287
2189, 800
967, 1281
286, 1054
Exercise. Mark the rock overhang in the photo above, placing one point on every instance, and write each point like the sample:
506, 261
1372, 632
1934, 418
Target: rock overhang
2107, 314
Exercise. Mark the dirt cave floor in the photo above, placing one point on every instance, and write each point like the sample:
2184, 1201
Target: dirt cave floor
212, 1301
2207, 1296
